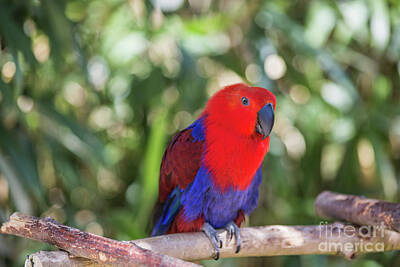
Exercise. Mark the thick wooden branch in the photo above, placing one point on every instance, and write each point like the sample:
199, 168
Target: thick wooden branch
278, 240
59, 259
86, 245
358, 210
334, 239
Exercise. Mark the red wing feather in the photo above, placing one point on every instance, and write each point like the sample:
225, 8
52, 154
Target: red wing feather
180, 163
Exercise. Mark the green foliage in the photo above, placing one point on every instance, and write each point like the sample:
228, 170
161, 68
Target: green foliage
91, 91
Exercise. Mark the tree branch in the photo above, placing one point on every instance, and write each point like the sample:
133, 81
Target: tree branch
278, 240
358, 210
334, 239
59, 259
86, 245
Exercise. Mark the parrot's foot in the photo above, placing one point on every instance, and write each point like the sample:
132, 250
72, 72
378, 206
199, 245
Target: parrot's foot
233, 229
212, 234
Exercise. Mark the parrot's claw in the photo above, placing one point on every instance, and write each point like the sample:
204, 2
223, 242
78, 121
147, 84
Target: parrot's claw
233, 229
212, 234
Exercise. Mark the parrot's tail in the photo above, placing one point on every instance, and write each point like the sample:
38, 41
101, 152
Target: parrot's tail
168, 212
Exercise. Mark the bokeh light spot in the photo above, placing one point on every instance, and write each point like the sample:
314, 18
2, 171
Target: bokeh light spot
337, 96
168, 5
74, 94
274, 67
41, 48
299, 94
8, 71
84, 217
29, 27
170, 95
253, 73
295, 143
98, 72
25, 103
95, 228
343, 130
366, 157
3, 189
332, 157
75, 11
101, 117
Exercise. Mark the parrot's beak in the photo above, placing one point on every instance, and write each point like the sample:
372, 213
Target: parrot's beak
265, 120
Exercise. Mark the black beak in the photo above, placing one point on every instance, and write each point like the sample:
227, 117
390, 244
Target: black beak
265, 120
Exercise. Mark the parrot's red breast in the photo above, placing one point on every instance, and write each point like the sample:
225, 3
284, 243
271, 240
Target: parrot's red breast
242, 146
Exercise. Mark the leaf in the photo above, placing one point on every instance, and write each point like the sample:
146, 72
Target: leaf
18, 193
297, 41
151, 165
71, 135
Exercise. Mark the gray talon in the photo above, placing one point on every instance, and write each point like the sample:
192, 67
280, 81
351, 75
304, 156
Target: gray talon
212, 234
237, 249
230, 231
233, 229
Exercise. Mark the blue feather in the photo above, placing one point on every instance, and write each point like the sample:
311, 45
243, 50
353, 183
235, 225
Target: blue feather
171, 207
198, 130
218, 208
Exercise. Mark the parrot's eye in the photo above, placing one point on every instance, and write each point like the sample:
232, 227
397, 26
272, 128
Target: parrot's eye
245, 101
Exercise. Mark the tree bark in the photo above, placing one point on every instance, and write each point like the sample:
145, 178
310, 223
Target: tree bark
86, 245
59, 259
279, 240
333, 239
358, 210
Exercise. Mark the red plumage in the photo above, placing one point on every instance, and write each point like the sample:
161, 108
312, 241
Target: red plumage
180, 163
243, 147
232, 150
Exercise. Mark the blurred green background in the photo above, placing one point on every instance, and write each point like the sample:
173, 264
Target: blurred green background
92, 90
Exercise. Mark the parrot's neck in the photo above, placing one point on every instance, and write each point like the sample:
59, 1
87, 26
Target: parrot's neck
233, 160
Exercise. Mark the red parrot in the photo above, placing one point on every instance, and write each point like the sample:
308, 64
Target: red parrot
211, 171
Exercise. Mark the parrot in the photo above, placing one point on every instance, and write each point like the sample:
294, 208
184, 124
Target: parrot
211, 171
